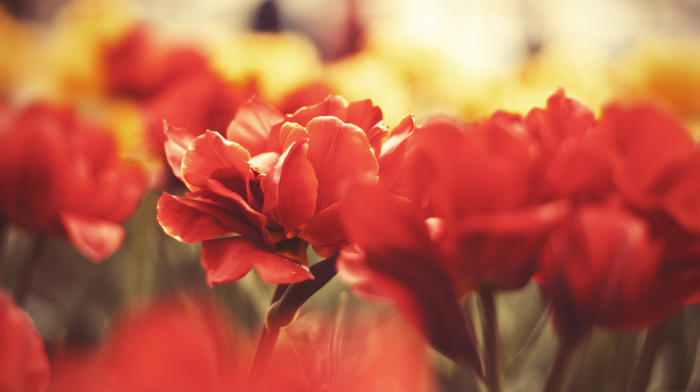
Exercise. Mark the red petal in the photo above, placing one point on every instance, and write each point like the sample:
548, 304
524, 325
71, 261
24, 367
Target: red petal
177, 142
562, 119
640, 142
113, 194
360, 113
368, 117
280, 270
291, 133
602, 267
234, 205
398, 249
331, 106
372, 217
340, 154
212, 156
251, 126
394, 151
23, 362
682, 198
325, 229
96, 239
192, 221
229, 259
291, 187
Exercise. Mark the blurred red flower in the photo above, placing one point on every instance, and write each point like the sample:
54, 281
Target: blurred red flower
604, 268
24, 366
170, 81
468, 223
62, 176
369, 350
276, 181
182, 343
625, 259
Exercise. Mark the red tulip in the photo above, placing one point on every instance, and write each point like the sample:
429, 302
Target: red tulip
275, 181
63, 177
24, 366
625, 259
604, 268
469, 223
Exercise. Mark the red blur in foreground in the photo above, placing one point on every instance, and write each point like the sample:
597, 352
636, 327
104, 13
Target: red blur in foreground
185, 344
62, 177
24, 366
370, 350
277, 182
176, 344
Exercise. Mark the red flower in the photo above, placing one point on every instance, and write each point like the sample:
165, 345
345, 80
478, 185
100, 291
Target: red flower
471, 224
635, 231
63, 177
604, 268
175, 344
276, 181
169, 81
24, 366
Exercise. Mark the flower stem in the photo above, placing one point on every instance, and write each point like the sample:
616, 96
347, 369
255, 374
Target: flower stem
268, 339
28, 270
560, 365
4, 231
267, 342
491, 344
652, 341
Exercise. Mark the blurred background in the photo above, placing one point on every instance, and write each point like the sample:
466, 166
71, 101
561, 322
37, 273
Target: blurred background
120, 64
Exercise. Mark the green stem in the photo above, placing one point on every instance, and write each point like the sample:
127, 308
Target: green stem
491, 344
560, 365
652, 342
28, 270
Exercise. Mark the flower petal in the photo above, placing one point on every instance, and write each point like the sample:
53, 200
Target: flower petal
325, 229
24, 365
394, 150
251, 126
280, 270
192, 221
340, 154
212, 156
406, 268
233, 204
563, 118
176, 144
229, 259
95, 238
641, 142
291, 187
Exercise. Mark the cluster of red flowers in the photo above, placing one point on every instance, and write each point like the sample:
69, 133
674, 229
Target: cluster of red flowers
603, 213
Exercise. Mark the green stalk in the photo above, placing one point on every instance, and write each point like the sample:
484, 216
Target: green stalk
492, 356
